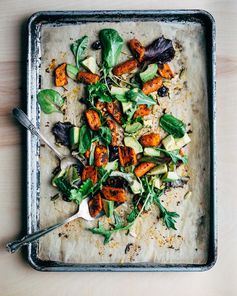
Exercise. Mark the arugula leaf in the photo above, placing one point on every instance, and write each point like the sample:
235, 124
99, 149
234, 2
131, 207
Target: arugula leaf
50, 101
112, 45
99, 90
102, 231
137, 96
78, 48
167, 216
63, 185
173, 125
174, 155
104, 134
77, 195
85, 138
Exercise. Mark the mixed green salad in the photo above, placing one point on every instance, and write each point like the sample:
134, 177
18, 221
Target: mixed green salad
118, 159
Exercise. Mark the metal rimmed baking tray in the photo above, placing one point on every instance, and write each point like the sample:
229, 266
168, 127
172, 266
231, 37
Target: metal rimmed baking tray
60, 18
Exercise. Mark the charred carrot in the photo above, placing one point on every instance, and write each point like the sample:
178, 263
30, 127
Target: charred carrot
95, 205
101, 155
143, 168
165, 71
89, 172
88, 78
101, 106
60, 75
125, 67
114, 131
150, 140
114, 194
114, 109
152, 85
142, 110
93, 119
137, 49
127, 156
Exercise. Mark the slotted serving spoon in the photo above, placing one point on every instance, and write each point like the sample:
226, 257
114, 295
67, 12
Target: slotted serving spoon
65, 160
83, 212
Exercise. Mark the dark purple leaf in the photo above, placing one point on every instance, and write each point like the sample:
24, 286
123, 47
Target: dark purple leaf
61, 132
160, 51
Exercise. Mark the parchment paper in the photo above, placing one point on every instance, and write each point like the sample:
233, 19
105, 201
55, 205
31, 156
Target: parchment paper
150, 241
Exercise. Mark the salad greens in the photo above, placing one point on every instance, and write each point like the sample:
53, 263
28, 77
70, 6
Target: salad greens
78, 48
50, 101
173, 125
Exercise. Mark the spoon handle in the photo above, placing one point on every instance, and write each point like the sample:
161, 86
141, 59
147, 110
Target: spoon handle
13, 246
25, 121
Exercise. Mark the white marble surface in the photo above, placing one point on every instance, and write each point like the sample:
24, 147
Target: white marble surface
16, 276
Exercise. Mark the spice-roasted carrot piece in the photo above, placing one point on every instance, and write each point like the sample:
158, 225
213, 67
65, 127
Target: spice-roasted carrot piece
137, 49
114, 131
60, 75
127, 156
152, 85
125, 67
95, 205
88, 78
143, 168
115, 194
142, 110
114, 109
165, 71
87, 153
101, 106
150, 140
101, 155
89, 172
93, 119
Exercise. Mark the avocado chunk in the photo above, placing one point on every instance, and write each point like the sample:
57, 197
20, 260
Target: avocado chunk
71, 71
118, 90
169, 143
133, 128
158, 170
112, 165
133, 143
136, 187
182, 141
170, 177
90, 65
74, 133
149, 73
126, 106
108, 207
157, 183
149, 151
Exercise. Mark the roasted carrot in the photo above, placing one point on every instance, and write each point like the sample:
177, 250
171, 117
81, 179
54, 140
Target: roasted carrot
115, 194
142, 110
114, 109
101, 106
101, 155
114, 131
181, 151
152, 85
137, 49
95, 205
88, 78
150, 140
127, 156
143, 168
93, 119
165, 71
60, 75
89, 172
87, 153
125, 67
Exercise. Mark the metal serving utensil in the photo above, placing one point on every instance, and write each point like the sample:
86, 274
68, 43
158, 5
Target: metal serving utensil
65, 160
83, 212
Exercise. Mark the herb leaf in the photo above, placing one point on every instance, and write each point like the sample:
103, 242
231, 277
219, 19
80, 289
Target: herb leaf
104, 135
84, 139
112, 45
78, 48
50, 101
173, 125
77, 195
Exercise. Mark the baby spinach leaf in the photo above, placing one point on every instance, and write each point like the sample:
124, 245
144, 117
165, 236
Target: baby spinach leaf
173, 125
112, 45
84, 139
104, 135
50, 101
78, 48
139, 97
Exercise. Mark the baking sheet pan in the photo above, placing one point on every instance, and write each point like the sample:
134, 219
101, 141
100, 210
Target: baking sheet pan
33, 84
